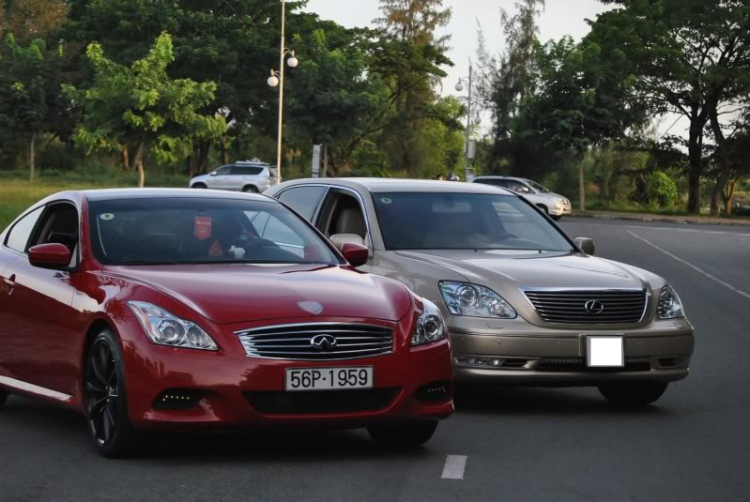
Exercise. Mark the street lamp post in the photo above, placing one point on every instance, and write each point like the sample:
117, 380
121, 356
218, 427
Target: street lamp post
277, 80
460, 87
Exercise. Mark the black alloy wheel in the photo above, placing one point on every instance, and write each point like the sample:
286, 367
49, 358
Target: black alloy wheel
105, 400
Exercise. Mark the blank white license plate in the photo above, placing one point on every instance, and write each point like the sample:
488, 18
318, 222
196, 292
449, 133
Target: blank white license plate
307, 379
606, 351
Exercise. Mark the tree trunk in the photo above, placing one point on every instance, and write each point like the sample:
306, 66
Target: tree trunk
203, 151
32, 157
582, 184
125, 157
139, 165
225, 149
724, 162
325, 161
695, 152
729, 196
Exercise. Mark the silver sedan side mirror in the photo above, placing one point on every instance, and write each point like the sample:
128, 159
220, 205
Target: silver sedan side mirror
586, 245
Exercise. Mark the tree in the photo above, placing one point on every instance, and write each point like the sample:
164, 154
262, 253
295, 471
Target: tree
141, 105
30, 20
413, 26
29, 92
577, 101
505, 80
686, 55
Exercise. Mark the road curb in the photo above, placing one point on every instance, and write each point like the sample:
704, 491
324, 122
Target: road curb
653, 218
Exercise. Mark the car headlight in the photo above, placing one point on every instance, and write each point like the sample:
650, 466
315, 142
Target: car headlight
430, 326
475, 301
163, 328
670, 305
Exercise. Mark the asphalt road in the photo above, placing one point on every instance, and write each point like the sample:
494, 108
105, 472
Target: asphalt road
506, 445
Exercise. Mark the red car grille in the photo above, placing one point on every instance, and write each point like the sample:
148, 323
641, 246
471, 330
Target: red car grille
317, 341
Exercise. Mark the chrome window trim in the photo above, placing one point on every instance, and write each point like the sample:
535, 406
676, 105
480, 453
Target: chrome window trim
371, 241
647, 291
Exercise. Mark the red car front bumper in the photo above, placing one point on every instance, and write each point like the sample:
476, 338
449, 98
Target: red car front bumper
232, 390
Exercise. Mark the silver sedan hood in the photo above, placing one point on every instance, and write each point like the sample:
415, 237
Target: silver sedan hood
501, 270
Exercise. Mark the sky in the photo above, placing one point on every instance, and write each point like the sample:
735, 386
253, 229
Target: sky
560, 18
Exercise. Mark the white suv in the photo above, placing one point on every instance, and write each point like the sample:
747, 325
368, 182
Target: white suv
556, 206
247, 176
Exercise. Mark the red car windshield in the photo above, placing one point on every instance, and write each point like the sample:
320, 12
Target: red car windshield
174, 231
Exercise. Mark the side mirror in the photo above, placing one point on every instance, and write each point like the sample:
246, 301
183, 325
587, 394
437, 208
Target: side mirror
51, 256
214, 174
356, 254
586, 245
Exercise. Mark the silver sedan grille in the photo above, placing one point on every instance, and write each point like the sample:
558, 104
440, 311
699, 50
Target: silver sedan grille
611, 306
317, 341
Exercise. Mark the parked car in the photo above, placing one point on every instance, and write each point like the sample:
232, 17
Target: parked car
525, 304
251, 176
179, 309
554, 205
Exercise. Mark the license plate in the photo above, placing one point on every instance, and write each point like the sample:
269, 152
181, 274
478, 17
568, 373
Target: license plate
300, 380
605, 351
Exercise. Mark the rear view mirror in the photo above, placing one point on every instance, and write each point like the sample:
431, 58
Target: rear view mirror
51, 256
586, 245
356, 254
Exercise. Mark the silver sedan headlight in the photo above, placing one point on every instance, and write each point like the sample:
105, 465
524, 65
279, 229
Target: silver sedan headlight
430, 326
475, 301
163, 328
670, 305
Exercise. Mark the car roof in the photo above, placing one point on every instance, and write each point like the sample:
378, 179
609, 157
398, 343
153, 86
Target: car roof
511, 178
167, 193
385, 185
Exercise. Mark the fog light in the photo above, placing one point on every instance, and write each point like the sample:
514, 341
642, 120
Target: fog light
480, 362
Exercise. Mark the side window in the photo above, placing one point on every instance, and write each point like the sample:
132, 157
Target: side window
18, 237
246, 171
347, 217
58, 226
272, 229
304, 200
223, 171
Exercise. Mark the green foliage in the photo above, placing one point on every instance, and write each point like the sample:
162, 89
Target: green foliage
141, 105
661, 190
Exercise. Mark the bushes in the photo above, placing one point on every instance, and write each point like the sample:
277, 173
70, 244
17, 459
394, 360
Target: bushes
661, 189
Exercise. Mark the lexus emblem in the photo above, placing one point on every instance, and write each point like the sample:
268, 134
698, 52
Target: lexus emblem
324, 343
314, 308
594, 307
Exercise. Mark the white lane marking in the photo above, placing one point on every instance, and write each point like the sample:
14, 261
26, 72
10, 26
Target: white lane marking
697, 269
455, 465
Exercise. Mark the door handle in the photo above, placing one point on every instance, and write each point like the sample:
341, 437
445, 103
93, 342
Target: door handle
11, 283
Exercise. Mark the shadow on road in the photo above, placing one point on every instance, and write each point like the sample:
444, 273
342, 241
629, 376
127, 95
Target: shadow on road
518, 401
40, 422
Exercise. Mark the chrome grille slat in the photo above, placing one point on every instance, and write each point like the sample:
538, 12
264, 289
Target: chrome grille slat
293, 342
569, 307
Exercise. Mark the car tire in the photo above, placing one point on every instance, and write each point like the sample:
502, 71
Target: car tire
556, 218
250, 189
633, 395
105, 399
3, 398
543, 208
199, 186
404, 435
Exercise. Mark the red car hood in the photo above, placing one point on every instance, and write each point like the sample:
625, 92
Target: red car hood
230, 294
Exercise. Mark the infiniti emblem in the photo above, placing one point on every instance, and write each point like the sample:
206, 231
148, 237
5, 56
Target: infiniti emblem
324, 343
594, 307
314, 308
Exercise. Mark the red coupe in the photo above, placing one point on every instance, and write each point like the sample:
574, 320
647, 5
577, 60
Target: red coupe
176, 309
